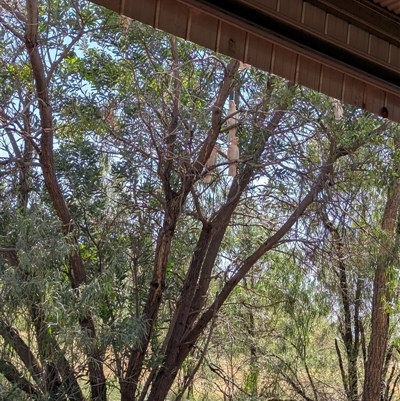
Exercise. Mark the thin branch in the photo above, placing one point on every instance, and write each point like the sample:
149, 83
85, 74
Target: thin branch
272, 241
342, 371
8, 249
13, 339
65, 52
11, 373
197, 205
189, 380
13, 11
12, 30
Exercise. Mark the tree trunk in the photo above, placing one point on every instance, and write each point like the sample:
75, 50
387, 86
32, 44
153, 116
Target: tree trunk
173, 205
78, 272
182, 345
379, 338
380, 315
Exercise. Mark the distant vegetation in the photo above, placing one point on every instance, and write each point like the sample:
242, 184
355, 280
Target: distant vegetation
146, 256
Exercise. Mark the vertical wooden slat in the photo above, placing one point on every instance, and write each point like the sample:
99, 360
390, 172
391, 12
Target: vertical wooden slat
379, 48
204, 29
326, 23
157, 15
218, 37
309, 73
369, 43
343, 87
273, 53
122, 7
314, 17
232, 41
297, 69
143, 12
359, 39
246, 48
321, 77
303, 11
348, 34
189, 24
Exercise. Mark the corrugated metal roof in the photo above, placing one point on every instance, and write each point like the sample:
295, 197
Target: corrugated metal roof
392, 5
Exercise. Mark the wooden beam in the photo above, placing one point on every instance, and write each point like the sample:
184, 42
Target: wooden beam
306, 42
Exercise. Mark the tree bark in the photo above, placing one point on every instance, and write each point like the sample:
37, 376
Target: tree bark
173, 205
351, 323
16, 378
197, 281
176, 356
78, 276
380, 314
13, 339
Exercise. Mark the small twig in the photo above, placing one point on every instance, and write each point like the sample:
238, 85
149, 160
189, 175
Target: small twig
199, 362
8, 249
12, 30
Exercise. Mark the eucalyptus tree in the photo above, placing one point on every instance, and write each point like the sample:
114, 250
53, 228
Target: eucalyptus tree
353, 250
112, 241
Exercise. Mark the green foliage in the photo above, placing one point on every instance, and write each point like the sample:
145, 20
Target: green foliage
122, 155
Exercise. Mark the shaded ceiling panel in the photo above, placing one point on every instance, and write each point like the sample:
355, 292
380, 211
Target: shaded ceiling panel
284, 63
394, 103
332, 82
349, 50
290, 9
392, 5
354, 91
144, 12
374, 96
379, 48
206, 37
314, 18
259, 52
167, 21
309, 73
394, 55
231, 41
336, 28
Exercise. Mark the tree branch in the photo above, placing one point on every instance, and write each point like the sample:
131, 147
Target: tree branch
78, 278
11, 336
272, 241
341, 367
11, 373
